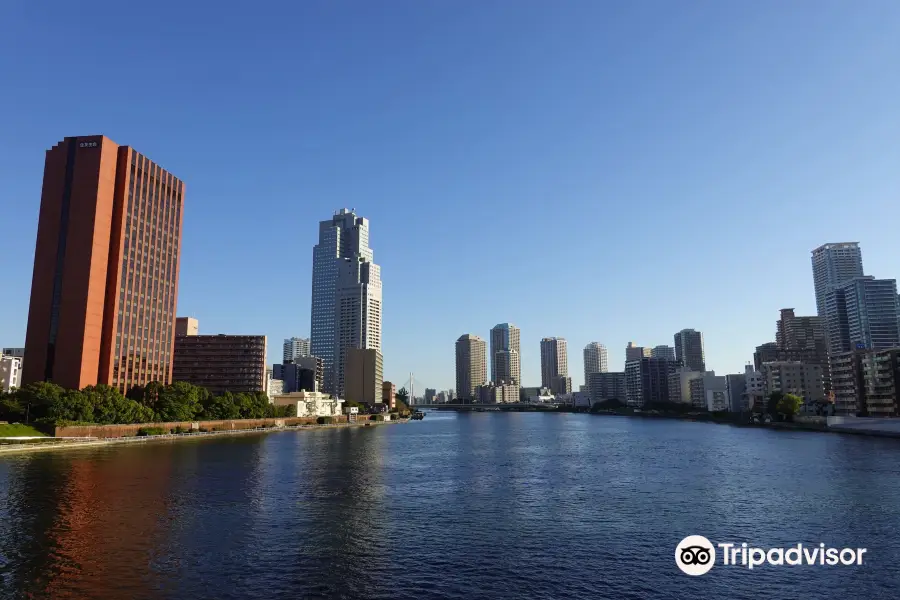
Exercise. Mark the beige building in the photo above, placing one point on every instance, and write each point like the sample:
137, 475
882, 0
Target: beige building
187, 326
363, 375
498, 393
310, 404
680, 384
796, 378
471, 366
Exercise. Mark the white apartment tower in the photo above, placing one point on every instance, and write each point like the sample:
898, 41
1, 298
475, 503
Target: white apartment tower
833, 264
471, 366
344, 236
295, 348
505, 348
596, 360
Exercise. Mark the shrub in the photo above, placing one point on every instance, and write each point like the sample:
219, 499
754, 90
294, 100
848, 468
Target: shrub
373, 417
143, 431
325, 420
180, 429
378, 417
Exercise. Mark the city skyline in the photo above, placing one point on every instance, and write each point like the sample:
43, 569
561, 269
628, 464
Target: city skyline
687, 117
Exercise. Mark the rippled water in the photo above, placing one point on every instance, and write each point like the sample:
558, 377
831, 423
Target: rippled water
479, 505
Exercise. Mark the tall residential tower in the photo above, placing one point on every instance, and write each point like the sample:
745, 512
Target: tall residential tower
105, 282
689, 349
471, 366
555, 365
505, 362
833, 264
596, 360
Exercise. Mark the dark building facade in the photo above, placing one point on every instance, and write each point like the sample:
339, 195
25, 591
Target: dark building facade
803, 340
647, 381
301, 373
689, 350
606, 386
105, 282
866, 382
221, 363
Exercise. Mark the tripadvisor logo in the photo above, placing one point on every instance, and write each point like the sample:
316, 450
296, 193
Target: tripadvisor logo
696, 555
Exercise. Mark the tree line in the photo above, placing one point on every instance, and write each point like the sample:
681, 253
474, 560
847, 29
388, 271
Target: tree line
46, 403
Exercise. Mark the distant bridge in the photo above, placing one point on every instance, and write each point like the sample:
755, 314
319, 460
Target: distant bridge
508, 406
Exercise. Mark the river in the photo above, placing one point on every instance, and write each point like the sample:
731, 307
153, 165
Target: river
473, 505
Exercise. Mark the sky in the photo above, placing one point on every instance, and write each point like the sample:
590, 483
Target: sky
598, 171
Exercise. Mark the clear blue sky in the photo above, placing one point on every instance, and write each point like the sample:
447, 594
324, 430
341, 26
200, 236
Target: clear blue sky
600, 171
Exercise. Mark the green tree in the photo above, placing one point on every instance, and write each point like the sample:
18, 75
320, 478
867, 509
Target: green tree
789, 405
772, 404
402, 396
222, 407
10, 408
37, 398
177, 402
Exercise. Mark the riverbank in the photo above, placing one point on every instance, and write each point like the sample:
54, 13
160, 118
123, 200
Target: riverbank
54, 443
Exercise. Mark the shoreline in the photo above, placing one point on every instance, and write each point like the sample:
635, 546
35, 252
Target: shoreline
62, 444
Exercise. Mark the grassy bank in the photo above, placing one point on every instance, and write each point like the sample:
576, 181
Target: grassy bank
19, 430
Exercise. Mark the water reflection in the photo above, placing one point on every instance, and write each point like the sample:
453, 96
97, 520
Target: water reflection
456, 506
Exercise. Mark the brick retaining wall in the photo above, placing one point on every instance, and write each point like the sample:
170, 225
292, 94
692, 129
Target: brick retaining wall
114, 431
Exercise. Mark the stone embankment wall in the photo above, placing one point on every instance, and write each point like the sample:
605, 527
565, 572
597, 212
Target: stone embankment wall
115, 431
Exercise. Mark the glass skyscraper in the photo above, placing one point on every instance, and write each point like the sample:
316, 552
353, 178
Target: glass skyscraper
343, 238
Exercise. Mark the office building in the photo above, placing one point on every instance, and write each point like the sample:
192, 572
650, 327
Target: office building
471, 366
862, 313
297, 377
596, 360
709, 392
358, 316
666, 352
344, 236
187, 326
17, 352
389, 394
866, 383
689, 349
294, 348
430, 395
794, 378
647, 381
833, 264
606, 386
10, 373
633, 352
364, 375
314, 364
554, 360
505, 354
221, 363
106, 261
680, 384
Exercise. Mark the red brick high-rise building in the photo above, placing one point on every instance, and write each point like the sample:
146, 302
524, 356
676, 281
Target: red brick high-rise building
105, 283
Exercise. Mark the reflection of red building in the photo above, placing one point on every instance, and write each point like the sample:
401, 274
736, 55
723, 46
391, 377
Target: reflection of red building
106, 265
112, 514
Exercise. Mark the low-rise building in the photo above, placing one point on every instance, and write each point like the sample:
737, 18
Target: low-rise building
274, 388
736, 383
389, 394
498, 393
221, 363
709, 392
680, 384
17, 352
755, 389
804, 380
865, 383
311, 404
10, 373
606, 386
